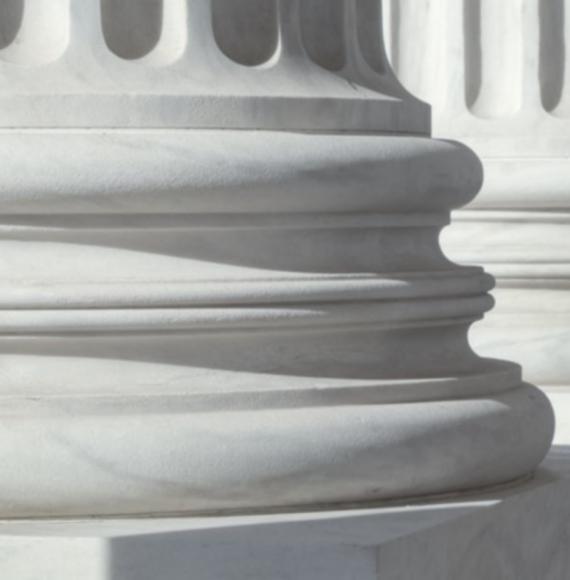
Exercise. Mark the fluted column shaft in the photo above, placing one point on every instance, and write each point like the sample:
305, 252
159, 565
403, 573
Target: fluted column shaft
86, 70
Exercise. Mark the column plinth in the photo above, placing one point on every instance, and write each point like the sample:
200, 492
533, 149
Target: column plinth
224, 289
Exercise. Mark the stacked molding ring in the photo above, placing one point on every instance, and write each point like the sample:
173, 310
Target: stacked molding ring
208, 321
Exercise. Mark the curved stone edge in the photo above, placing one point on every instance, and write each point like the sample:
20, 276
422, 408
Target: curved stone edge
273, 288
201, 172
528, 253
539, 318
180, 463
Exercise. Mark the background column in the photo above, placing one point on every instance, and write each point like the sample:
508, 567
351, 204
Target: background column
497, 74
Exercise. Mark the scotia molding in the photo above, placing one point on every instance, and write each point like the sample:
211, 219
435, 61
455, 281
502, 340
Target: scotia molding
497, 75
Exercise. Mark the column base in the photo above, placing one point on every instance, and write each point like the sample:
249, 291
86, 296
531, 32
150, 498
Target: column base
489, 535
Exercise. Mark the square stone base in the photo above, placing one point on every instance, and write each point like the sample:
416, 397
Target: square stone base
519, 532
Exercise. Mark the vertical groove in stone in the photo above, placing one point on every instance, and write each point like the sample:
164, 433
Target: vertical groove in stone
555, 56
33, 32
246, 30
563, 109
494, 59
551, 18
472, 49
370, 35
322, 25
132, 29
11, 15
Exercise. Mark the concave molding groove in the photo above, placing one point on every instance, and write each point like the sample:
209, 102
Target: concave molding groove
508, 100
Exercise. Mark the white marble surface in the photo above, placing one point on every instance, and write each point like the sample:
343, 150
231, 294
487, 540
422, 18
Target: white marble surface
515, 532
261, 64
496, 74
529, 254
236, 333
197, 318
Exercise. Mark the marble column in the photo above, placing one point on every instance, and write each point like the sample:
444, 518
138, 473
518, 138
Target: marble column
222, 284
498, 76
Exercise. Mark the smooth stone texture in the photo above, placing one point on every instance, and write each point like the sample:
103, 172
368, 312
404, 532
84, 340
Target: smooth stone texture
224, 287
529, 254
122, 459
497, 75
491, 535
201, 64
235, 332
209, 175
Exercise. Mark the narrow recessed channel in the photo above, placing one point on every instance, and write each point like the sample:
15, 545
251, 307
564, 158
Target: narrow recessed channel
318, 19
554, 19
132, 29
246, 30
11, 16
